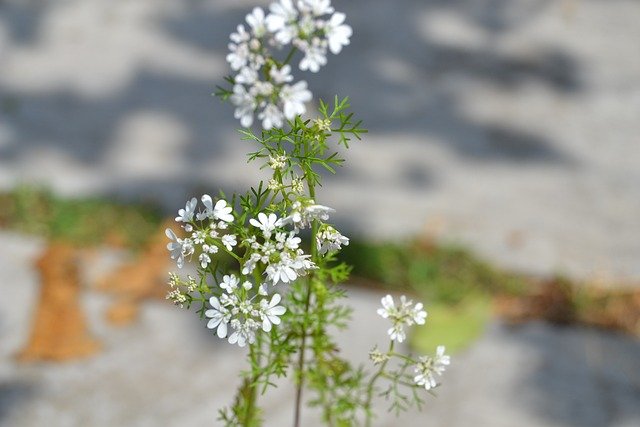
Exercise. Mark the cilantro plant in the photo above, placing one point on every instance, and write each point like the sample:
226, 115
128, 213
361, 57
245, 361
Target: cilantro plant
267, 276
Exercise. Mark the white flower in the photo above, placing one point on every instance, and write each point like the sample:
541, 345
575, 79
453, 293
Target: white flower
243, 332
329, 239
294, 97
219, 316
247, 76
292, 242
265, 223
250, 264
238, 55
418, 314
178, 247
262, 88
210, 249
405, 314
241, 36
316, 7
269, 312
257, 23
337, 32
186, 214
277, 162
220, 211
245, 105
282, 75
271, 117
282, 271
229, 241
229, 282
315, 57
302, 213
198, 237
204, 260
283, 13
428, 366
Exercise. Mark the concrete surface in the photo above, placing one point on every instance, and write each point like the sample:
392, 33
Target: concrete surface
511, 127
169, 370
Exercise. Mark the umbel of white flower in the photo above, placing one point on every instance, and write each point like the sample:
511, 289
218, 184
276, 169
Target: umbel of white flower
239, 306
263, 84
406, 314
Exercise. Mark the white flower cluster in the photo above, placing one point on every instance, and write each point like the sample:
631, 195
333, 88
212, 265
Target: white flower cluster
272, 245
303, 212
243, 314
180, 289
428, 366
264, 84
406, 314
206, 229
329, 239
277, 249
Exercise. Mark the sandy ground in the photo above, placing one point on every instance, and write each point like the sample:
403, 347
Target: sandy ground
511, 127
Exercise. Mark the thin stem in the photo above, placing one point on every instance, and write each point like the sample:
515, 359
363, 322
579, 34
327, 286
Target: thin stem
290, 55
300, 368
303, 344
252, 392
370, 386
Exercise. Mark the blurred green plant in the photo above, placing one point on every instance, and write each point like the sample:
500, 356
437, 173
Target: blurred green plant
83, 221
455, 285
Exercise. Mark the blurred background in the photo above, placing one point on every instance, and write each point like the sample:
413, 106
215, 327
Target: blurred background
499, 183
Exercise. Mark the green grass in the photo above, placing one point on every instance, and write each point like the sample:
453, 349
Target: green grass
86, 221
454, 285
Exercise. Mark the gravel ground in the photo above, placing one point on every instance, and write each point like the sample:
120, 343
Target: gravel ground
510, 127
168, 370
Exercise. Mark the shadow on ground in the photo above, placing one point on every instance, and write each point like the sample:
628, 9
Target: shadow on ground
399, 79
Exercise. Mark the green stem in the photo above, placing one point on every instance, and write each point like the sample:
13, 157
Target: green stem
303, 344
370, 386
290, 55
250, 412
300, 367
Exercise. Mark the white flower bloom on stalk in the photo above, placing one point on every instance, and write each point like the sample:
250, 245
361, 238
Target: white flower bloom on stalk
256, 20
219, 315
277, 162
229, 283
304, 212
293, 99
337, 32
204, 260
218, 211
316, 7
243, 332
282, 75
247, 76
240, 36
269, 312
428, 366
281, 21
245, 105
309, 25
229, 241
329, 239
238, 56
186, 214
179, 248
265, 223
406, 314
271, 117
315, 56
